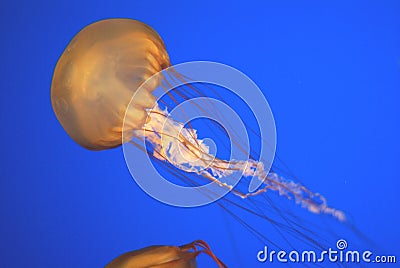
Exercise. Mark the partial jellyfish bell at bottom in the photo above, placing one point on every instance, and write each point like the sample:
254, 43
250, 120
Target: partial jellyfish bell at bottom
165, 257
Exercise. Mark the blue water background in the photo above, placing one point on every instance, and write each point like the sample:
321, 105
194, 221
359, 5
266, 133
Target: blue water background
331, 74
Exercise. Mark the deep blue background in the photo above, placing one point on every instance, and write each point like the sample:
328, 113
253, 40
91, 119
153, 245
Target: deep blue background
330, 71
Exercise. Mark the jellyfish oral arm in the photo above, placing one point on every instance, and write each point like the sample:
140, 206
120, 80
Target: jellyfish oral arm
180, 146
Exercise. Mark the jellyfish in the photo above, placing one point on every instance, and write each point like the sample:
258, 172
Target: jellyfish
96, 98
165, 256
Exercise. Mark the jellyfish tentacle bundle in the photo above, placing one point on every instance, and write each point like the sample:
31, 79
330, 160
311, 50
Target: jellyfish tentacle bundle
179, 145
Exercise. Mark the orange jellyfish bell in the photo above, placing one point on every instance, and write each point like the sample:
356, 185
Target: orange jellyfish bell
96, 76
